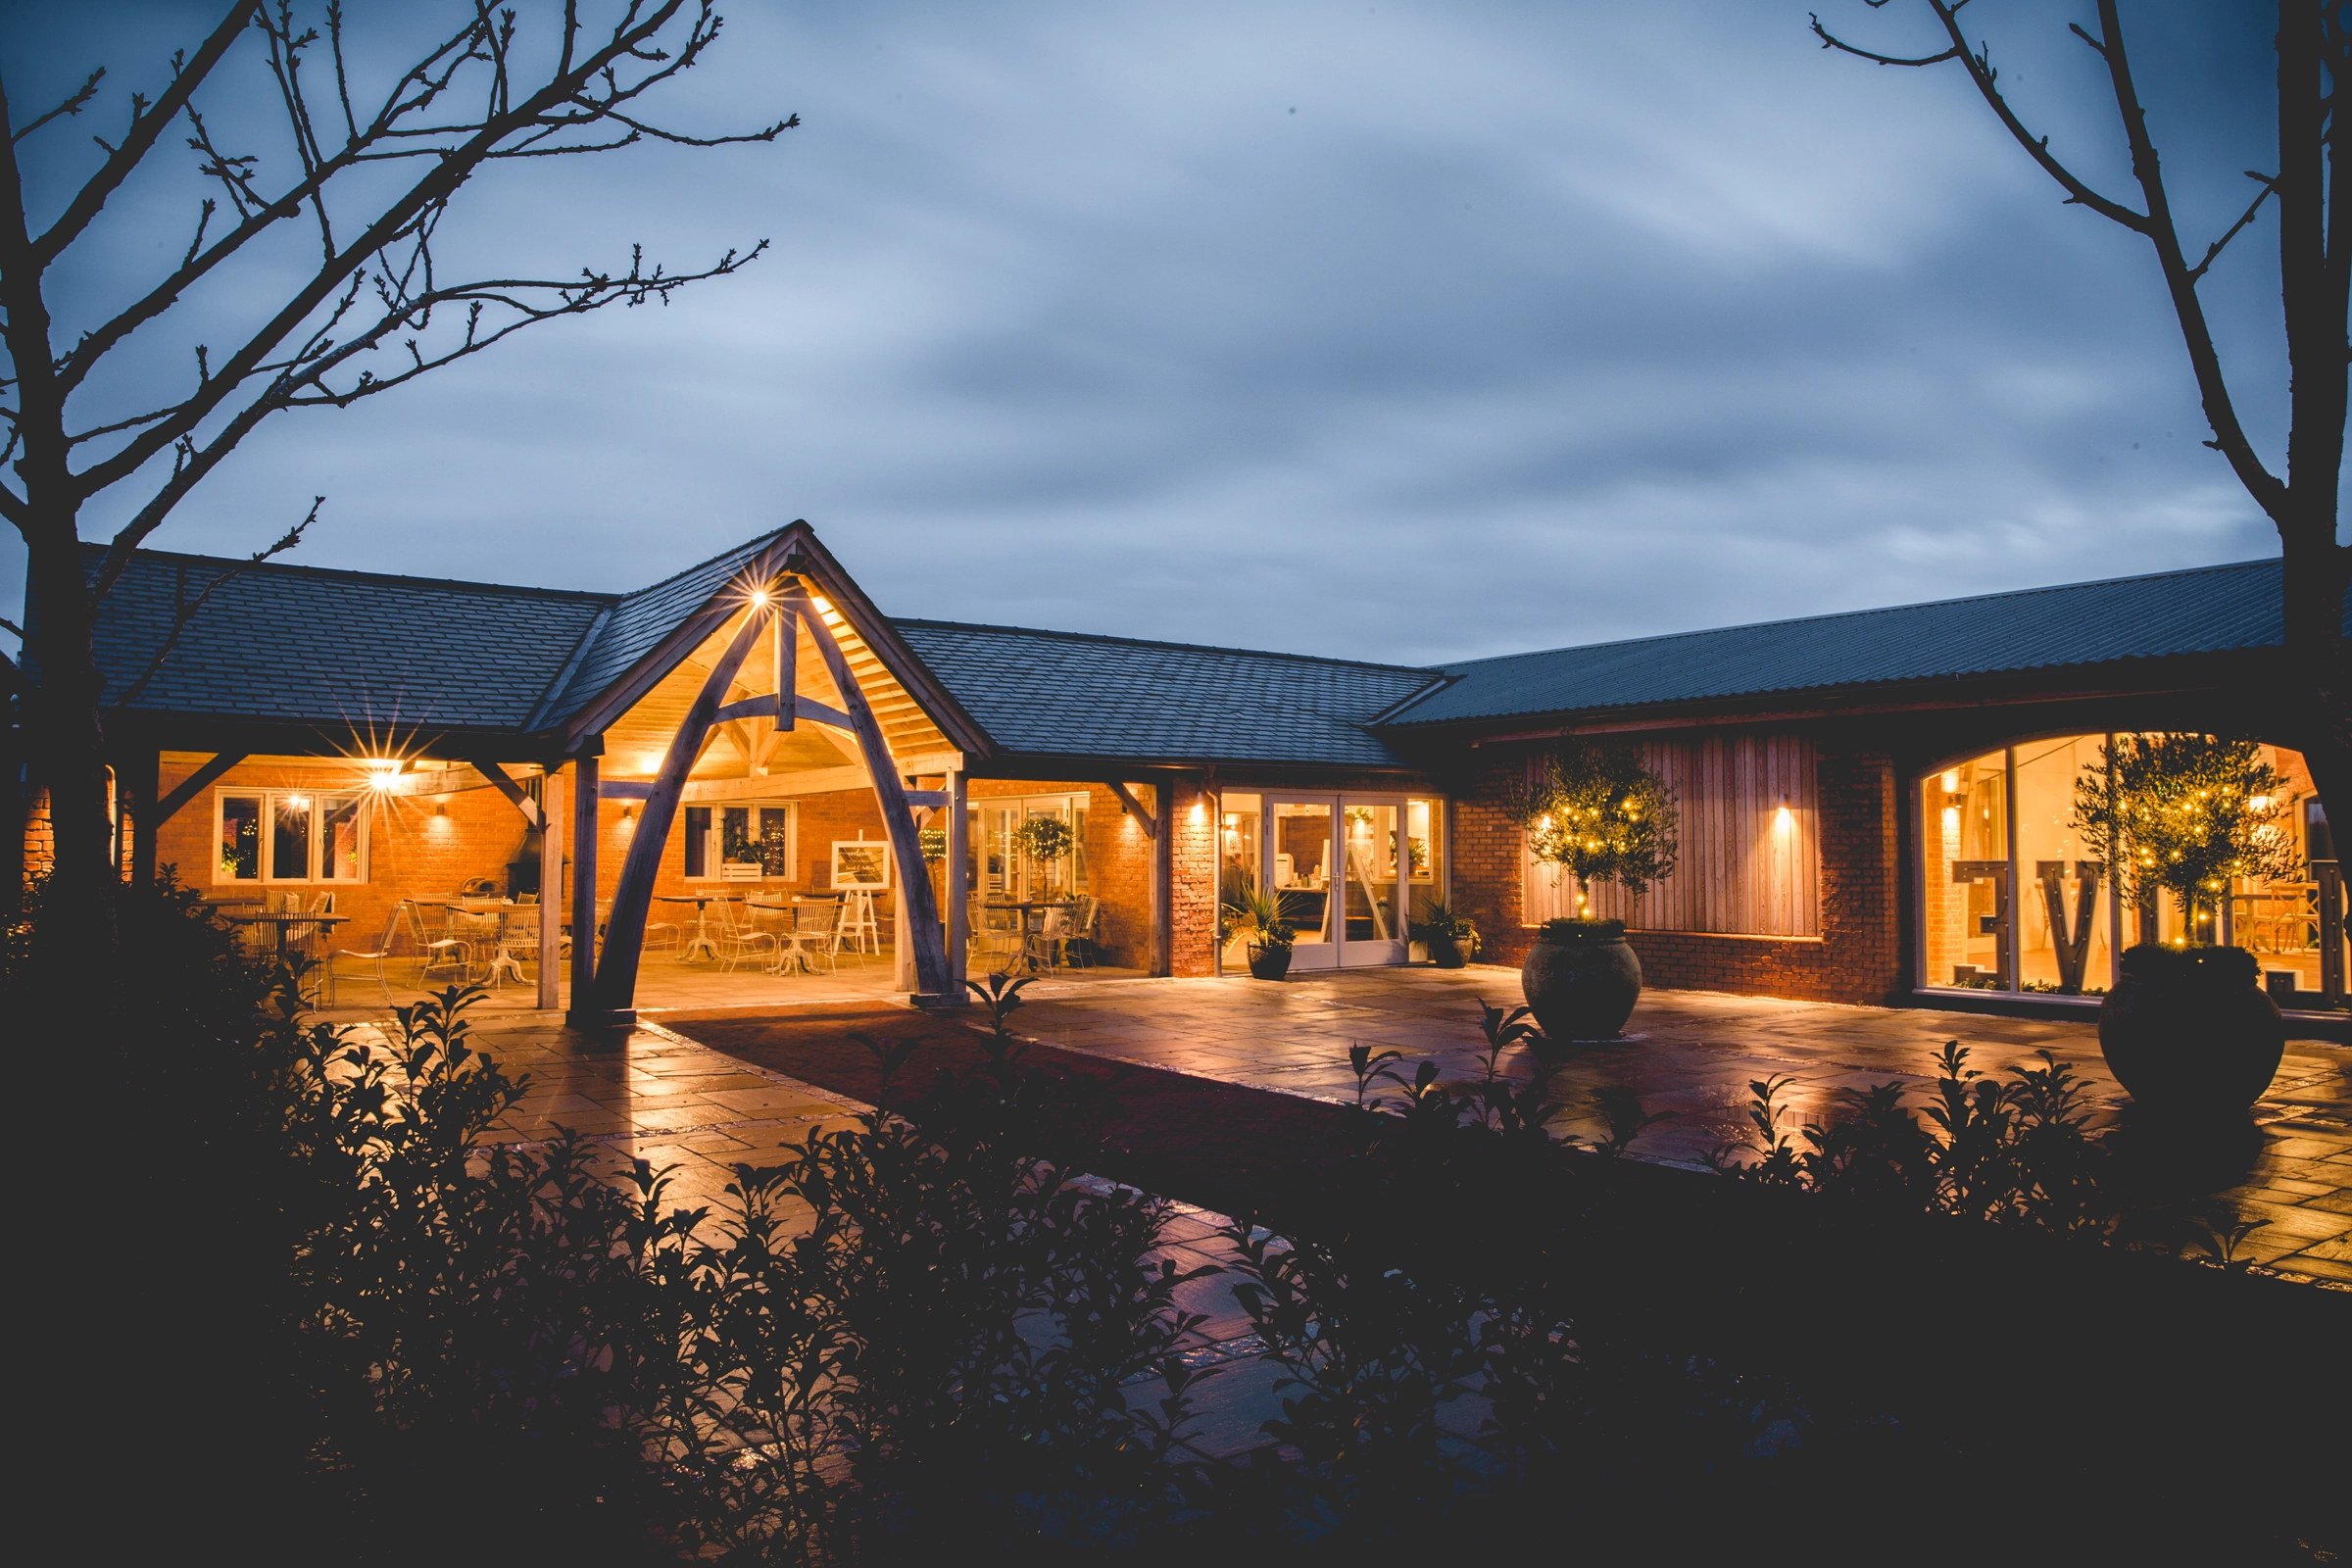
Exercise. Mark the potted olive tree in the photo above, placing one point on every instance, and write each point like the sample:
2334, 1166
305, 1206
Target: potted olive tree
1046, 840
2187, 1028
1258, 911
1450, 936
1599, 810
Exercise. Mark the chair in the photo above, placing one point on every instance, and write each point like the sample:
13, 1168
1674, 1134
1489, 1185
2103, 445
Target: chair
447, 953
1080, 936
738, 940
816, 929
660, 935
517, 942
999, 936
379, 955
476, 922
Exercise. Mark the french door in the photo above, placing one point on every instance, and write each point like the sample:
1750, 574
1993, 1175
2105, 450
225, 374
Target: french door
1336, 862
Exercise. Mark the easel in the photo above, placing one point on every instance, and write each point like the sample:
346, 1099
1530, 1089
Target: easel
859, 927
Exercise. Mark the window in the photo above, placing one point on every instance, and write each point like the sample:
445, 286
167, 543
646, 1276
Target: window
996, 867
762, 834
288, 836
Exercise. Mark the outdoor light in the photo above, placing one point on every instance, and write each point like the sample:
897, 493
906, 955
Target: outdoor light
1951, 780
2259, 802
1782, 820
759, 599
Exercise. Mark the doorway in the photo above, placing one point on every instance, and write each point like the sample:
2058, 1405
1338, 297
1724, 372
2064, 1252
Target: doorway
1348, 868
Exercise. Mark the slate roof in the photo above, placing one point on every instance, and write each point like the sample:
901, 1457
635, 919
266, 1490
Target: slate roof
640, 620
1076, 694
2207, 609
336, 648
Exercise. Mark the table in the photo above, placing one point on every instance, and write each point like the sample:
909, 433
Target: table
286, 922
1034, 953
700, 946
792, 906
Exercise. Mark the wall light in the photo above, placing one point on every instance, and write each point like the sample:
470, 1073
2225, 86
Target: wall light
1782, 820
1951, 780
1199, 813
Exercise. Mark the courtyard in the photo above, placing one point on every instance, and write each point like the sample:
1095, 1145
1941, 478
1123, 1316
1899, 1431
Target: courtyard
657, 1092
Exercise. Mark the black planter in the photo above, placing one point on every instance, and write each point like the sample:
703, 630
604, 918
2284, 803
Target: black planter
1446, 953
1269, 960
2187, 1030
1582, 978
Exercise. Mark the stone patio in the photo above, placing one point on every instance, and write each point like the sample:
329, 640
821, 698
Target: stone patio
658, 1095
1694, 1054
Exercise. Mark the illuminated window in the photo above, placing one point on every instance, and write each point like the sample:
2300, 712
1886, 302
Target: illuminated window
288, 836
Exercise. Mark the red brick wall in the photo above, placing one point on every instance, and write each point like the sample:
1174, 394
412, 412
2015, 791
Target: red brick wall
1856, 957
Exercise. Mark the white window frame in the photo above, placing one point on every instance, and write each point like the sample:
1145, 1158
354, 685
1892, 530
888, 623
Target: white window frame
268, 799
714, 840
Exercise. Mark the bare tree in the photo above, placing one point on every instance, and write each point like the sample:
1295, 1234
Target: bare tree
371, 311
2315, 265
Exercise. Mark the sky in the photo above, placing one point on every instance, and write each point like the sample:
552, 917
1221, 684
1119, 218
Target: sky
1405, 332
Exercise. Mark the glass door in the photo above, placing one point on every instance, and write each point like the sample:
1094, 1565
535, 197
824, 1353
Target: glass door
1372, 925
1299, 867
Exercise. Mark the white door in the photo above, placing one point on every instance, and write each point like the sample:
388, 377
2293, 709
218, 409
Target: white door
1371, 917
1300, 869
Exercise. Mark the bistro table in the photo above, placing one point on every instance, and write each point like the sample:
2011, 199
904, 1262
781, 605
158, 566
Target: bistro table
1033, 952
700, 946
286, 922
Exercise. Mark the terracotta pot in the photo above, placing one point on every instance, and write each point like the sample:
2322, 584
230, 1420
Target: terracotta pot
2187, 1030
1582, 981
1446, 953
1269, 960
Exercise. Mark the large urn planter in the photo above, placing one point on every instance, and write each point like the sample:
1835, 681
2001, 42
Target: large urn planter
2187, 1030
1269, 960
1582, 979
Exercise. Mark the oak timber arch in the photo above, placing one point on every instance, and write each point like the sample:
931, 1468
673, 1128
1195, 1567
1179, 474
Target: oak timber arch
784, 676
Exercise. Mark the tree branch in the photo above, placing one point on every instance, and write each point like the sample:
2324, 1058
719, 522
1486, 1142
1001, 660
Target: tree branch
144, 128
2269, 183
1829, 40
72, 106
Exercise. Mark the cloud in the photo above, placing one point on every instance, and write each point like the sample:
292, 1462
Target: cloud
1405, 332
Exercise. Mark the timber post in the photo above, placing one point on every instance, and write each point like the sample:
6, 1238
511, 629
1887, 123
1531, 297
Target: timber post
583, 885
551, 894
958, 882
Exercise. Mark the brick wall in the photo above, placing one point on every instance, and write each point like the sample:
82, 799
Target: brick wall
1856, 957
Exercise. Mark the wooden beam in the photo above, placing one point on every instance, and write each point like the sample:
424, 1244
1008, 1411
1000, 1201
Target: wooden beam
787, 664
926, 800
767, 786
513, 791
763, 706
583, 884
1163, 882
923, 935
1135, 808
195, 784
614, 999
140, 776
551, 895
614, 789
958, 881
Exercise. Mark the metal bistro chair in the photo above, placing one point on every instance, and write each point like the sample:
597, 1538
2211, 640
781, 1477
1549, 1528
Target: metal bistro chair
739, 940
660, 936
997, 934
395, 921
815, 931
516, 944
1080, 935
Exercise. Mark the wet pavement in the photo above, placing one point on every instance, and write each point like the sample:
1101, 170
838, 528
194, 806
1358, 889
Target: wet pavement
1694, 1054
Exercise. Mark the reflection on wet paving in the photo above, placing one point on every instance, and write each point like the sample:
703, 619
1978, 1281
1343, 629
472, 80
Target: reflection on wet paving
1695, 1053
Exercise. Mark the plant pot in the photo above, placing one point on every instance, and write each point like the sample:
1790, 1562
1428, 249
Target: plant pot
1582, 979
1269, 960
2189, 1032
1446, 953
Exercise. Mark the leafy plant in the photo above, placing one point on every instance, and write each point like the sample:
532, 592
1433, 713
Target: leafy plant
1441, 923
2183, 814
1260, 909
1599, 808
2011, 1151
1044, 839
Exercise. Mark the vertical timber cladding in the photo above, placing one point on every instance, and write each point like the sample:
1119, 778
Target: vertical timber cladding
1841, 861
1750, 862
